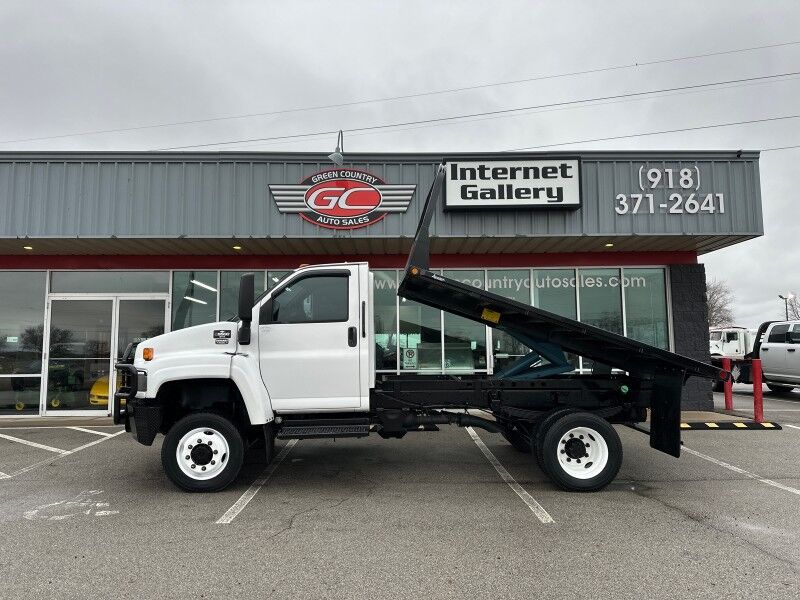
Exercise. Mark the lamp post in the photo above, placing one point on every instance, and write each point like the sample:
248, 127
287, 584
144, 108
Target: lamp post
336, 156
786, 299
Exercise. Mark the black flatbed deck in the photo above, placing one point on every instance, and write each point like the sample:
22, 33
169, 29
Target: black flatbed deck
656, 375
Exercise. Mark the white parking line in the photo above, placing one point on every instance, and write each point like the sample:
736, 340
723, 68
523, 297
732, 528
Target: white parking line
33, 444
66, 453
537, 508
4, 476
792, 426
780, 486
245, 498
91, 431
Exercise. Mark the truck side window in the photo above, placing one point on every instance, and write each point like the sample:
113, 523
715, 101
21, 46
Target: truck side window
312, 299
777, 334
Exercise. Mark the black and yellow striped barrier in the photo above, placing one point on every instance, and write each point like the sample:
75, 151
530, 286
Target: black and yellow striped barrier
729, 425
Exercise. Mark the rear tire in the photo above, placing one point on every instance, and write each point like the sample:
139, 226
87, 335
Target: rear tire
581, 452
541, 430
202, 452
779, 389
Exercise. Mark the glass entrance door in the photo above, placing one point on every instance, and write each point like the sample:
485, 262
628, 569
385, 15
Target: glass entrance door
87, 335
79, 352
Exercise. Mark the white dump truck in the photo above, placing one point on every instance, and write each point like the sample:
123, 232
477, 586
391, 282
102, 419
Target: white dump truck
736, 344
299, 362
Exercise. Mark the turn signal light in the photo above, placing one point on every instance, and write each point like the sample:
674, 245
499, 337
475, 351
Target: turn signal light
147, 354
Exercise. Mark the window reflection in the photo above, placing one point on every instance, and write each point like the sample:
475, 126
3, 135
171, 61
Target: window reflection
22, 298
112, 282
514, 284
275, 277
420, 337
79, 354
464, 339
385, 302
646, 306
194, 298
229, 291
19, 395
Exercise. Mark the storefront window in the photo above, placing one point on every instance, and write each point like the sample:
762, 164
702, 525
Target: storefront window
515, 285
19, 395
646, 306
601, 298
111, 282
275, 277
194, 298
22, 297
554, 291
385, 319
229, 291
420, 337
464, 339
600, 301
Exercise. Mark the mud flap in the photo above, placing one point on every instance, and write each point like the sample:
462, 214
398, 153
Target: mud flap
665, 411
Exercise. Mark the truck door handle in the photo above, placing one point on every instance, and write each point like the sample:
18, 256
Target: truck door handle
791, 349
764, 349
352, 336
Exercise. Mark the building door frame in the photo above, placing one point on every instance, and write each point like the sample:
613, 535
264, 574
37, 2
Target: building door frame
115, 300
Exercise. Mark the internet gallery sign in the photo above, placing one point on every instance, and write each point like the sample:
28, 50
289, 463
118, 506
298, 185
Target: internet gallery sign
513, 184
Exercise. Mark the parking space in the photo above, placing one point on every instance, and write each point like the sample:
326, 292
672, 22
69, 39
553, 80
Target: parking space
429, 515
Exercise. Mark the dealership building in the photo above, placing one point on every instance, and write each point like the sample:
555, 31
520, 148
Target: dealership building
98, 250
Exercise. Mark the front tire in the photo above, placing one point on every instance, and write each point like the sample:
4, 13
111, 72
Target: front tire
581, 452
202, 452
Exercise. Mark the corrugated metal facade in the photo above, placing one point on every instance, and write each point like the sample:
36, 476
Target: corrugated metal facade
184, 197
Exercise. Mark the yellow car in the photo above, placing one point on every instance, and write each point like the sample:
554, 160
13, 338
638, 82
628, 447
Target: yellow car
98, 395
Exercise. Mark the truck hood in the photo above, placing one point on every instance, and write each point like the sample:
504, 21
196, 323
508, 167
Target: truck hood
209, 338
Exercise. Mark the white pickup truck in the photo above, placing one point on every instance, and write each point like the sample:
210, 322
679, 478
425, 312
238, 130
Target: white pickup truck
779, 351
299, 362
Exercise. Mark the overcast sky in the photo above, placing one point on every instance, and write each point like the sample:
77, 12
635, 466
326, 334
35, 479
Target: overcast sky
72, 67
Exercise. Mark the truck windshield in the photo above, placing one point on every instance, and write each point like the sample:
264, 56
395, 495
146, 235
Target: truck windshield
715, 335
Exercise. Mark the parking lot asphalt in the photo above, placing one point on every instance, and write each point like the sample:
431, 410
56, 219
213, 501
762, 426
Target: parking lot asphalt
426, 516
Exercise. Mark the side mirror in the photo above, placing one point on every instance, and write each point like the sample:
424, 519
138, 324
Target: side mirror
247, 297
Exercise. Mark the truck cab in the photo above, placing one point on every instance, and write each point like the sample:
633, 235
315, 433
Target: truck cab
731, 342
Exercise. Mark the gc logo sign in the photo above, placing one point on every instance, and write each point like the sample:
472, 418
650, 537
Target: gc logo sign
342, 198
